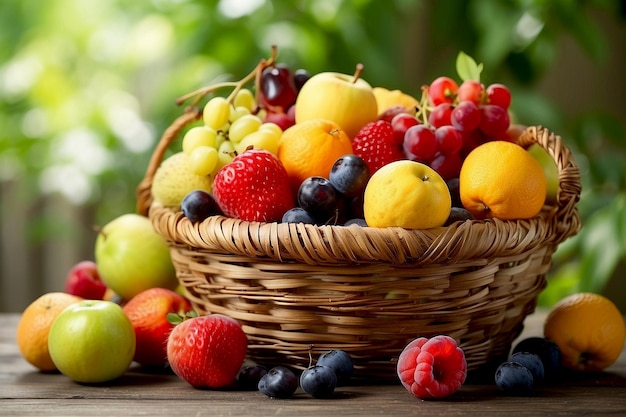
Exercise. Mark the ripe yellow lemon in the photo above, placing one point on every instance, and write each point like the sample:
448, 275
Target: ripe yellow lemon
34, 325
589, 330
500, 179
386, 99
407, 194
174, 179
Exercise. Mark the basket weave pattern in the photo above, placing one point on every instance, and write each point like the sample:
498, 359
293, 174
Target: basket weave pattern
297, 288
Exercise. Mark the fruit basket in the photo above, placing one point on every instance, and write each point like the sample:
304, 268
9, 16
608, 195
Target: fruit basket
301, 289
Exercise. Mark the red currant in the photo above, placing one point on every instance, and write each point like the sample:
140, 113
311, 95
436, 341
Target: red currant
470, 90
442, 90
499, 95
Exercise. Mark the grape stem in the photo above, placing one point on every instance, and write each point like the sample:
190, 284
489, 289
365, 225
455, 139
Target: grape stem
200, 93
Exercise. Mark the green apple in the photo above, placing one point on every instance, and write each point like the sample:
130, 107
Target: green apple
550, 170
132, 257
344, 99
92, 341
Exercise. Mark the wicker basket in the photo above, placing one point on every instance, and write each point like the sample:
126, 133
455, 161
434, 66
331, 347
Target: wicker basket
298, 288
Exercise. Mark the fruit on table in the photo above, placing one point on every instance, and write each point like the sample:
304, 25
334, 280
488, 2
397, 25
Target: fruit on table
249, 376
254, 187
83, 280
310, 148
341, 362
432, 368
173, 180
406, 194
148, 312
132, 257
514, 378
500, 179
531, 361
547, 350
347, 100
207, 351
319, 381
92, 341
278, 382
589, 330
34, 326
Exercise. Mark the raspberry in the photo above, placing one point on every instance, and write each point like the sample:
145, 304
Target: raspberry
375, 143
253, 187
432, 368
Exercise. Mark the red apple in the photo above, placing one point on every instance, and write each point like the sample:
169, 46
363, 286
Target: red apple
148, 312
83, 280
207, 351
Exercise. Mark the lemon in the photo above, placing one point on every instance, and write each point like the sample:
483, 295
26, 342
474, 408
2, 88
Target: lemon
173, 180
407, 194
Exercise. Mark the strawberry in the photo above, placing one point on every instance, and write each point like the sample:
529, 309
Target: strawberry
375, 143
148, 312
253, 187
207, 351
432, 368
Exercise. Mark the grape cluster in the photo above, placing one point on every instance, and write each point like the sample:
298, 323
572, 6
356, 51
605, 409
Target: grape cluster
451, 121
228, 129
337, 199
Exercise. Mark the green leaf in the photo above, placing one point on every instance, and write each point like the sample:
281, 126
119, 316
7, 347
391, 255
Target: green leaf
174, 318
467, 68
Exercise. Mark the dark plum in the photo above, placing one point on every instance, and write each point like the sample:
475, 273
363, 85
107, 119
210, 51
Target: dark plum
249, 376
198, 205
278, 382
319, 381
300, 77
349, 175
318, 196
458, 214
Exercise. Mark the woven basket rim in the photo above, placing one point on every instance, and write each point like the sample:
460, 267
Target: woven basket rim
332, 244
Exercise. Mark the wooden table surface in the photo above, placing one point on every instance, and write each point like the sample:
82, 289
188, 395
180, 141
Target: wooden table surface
26, 392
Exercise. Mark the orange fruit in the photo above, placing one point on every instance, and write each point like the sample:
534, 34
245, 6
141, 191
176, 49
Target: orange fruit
310, 148
589, 330
34, 325
500, 179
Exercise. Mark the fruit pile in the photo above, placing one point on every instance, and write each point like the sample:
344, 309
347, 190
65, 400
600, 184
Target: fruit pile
306, 148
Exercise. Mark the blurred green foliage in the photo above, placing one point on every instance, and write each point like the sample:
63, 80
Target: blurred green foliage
86, 87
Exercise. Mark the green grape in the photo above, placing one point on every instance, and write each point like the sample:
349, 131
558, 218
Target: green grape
261, 139
245, 98
203, 160
243, 126
225, 154
221, 137
216, 113
272, 127
199, 136
237, 112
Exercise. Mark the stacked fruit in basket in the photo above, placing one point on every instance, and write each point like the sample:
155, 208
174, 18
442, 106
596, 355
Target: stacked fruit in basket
329, 149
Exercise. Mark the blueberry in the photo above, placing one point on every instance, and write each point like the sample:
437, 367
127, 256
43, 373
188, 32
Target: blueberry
318, 196
513, 378
547, 350
356, 221
531, 361
249, 376
319, 381
278, 382
349, 175
198, 205
299, 215
340, 362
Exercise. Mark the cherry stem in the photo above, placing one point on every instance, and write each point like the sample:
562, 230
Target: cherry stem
200, 93
357, 72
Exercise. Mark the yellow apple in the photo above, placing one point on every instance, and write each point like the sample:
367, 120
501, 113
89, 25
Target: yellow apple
344, 99
407, 194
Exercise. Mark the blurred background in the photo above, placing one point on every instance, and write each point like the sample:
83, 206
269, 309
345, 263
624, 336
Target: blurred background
87, 87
